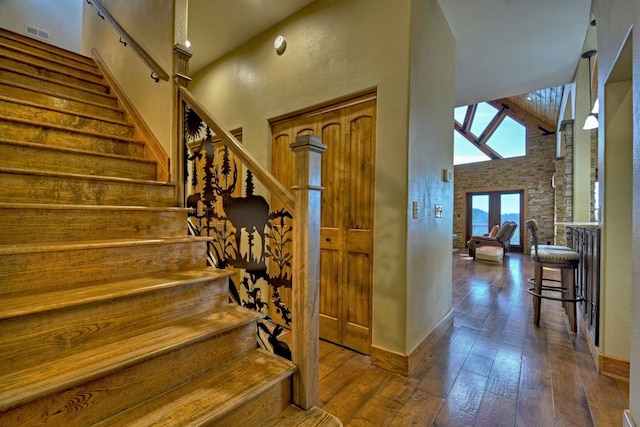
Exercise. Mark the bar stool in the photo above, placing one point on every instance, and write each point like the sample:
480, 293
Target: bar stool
565, 260
534, 224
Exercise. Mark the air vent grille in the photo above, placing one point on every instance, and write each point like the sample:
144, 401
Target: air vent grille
37, 32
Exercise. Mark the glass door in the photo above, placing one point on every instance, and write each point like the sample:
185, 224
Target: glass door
479, 208
510, 207
486, 209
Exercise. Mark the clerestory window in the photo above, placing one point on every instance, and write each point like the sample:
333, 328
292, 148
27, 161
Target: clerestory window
484, 132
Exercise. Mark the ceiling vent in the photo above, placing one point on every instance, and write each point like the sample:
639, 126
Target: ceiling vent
37, 32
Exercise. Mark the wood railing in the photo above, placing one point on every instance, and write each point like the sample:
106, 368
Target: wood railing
157, 72
214, 200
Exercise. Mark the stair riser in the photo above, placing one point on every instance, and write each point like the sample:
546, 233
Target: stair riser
21, 225
45, 116
43, 49
34, 339
40, 158
67, 90
89, 403
27, 188
25, 132
29, 273
70, 105
255, 411
58, 71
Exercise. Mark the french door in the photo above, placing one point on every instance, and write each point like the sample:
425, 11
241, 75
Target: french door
488, 208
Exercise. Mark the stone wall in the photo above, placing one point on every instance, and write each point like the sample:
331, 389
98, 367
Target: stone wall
533, 173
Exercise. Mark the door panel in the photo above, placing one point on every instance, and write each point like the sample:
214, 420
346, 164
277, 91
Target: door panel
329, 294
332, 176
511, 210
346, 238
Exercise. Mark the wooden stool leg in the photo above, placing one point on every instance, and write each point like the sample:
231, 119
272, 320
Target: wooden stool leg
537, 279
570, 306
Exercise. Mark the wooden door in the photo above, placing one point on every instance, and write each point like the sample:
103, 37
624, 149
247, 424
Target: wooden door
346, 258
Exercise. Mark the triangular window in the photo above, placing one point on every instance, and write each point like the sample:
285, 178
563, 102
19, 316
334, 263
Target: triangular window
484, 132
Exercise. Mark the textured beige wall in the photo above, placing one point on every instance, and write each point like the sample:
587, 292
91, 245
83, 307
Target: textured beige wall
431, 100
151, 24
616, 220
615, 21
337, 48
582, 147
61, 18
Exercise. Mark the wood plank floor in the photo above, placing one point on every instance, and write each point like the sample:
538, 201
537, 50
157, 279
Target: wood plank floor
492, 368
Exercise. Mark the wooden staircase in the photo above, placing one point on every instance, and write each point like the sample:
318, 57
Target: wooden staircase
108, 313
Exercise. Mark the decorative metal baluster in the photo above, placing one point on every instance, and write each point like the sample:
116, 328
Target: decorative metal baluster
247, 235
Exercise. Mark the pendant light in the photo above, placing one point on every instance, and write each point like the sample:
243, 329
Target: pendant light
591, 121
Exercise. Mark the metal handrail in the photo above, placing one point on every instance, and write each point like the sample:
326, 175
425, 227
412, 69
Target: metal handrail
157, 73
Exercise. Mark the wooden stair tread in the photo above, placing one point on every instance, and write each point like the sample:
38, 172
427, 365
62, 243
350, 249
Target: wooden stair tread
57, 95
11, 205
75, 151
87, 72
294, 416
15, 171
29, 41
53, 376
58, 82
25, 248
11, 108
63, 111
22, 305
210, 397
73, 130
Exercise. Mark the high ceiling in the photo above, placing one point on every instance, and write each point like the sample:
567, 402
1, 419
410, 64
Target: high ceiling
217, 27
503, 47
511, 47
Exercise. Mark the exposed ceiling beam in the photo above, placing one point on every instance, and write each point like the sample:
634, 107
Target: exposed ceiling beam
468, 118
522, 117
492, 126
475, 141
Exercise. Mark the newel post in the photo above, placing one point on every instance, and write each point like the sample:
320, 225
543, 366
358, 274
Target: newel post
181, 58
307, 190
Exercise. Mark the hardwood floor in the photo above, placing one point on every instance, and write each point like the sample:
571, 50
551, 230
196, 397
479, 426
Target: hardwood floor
492, 368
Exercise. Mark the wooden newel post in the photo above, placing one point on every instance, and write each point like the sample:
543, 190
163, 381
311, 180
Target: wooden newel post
181, 79
307, 190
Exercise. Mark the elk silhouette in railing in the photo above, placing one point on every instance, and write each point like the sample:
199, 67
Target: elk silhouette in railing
249, 213
235, 220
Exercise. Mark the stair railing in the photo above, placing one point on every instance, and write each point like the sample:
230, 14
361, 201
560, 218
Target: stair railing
157, 72
250, 236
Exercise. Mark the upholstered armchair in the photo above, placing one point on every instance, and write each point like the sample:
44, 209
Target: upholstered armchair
502, 239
